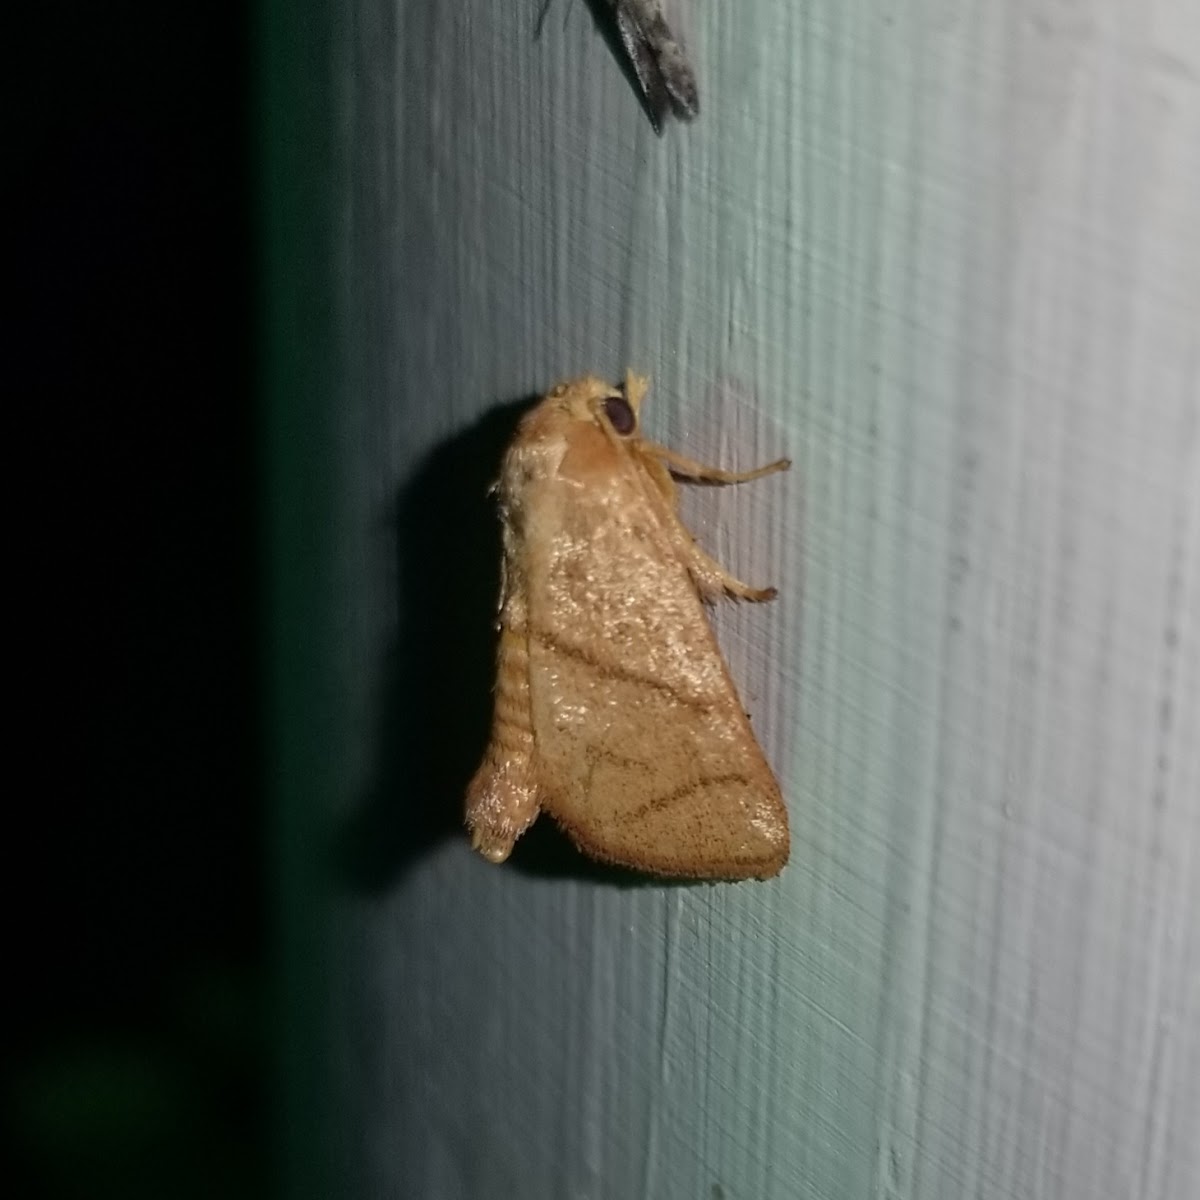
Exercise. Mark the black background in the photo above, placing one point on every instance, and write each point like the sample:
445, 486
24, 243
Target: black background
137, 1053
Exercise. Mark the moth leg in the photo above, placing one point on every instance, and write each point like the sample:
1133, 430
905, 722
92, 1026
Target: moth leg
658, 475
712, 580
502, 798
689, 468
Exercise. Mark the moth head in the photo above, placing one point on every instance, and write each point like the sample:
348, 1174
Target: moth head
614, 408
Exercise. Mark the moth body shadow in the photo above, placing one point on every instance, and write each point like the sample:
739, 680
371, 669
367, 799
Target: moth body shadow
434, 706
546, 852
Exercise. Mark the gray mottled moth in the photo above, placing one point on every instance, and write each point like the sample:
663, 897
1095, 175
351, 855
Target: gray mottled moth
658, 61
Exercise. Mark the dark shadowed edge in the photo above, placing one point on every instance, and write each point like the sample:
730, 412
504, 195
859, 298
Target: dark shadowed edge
434, 707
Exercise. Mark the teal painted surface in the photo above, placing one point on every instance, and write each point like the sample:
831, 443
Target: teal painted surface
948, 260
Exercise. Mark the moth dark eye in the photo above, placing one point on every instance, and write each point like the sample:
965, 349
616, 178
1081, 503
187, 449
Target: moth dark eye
617, 410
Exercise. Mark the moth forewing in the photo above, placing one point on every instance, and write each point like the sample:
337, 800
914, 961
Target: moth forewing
663, 72
615, 712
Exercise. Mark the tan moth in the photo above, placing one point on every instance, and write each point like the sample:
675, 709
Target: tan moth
614, 710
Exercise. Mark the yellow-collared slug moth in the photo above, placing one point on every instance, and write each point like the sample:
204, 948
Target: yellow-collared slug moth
614, 710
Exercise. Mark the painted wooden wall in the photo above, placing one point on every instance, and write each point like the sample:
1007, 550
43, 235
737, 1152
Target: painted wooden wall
945, 256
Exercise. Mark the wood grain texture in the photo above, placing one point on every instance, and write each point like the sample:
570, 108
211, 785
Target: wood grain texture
950, 258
